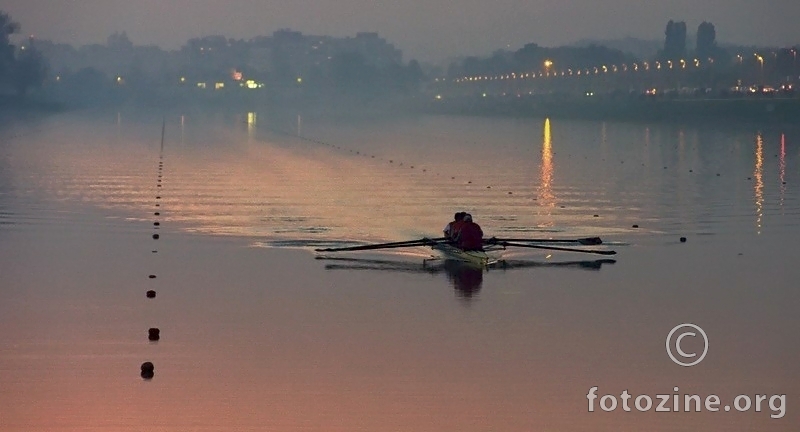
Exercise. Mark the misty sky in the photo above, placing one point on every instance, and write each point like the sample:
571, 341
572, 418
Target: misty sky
430, 30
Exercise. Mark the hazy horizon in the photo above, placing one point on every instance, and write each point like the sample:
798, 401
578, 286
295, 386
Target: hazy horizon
429, 31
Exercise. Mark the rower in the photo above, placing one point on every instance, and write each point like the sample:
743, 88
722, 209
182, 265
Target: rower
470, 235
451, 230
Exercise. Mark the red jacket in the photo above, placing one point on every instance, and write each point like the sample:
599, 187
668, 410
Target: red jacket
454, 228
470, 236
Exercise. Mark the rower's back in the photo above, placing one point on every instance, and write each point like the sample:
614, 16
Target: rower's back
470, 235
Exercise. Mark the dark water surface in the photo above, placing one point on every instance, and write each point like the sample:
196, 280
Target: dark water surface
256, 335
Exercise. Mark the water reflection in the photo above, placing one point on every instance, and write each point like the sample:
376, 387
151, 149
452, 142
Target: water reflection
782, 168
546, 196
252, 120
759, 181
467, 280
237, 176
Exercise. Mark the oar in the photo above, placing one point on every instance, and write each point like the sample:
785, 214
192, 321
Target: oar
598, 252
589, 241
392, 245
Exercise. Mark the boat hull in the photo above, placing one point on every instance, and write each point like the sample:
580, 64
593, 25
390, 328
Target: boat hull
476, 258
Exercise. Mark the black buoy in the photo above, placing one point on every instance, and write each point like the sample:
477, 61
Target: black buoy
148, 370
596, 216
152, 276
153, 334
157, 213
156, 223
155, 236
488, 187
636, 226
151, 294
717, 174
511, 193
683, 239
691, 170
158, 197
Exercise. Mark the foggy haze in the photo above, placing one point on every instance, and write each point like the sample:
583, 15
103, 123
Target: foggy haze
429, 30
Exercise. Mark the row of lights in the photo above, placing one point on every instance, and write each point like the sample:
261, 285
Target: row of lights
588, 71
602, 69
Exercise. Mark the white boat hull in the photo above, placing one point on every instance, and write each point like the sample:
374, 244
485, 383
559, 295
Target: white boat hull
477, 258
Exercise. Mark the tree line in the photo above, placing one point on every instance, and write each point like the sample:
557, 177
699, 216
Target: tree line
20, 69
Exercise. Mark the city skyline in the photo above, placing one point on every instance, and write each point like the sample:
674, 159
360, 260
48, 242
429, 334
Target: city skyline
431, 31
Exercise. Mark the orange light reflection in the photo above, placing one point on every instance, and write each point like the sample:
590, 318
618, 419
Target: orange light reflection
759, 186
546, 196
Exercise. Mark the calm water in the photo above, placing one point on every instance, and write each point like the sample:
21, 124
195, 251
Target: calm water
258, 335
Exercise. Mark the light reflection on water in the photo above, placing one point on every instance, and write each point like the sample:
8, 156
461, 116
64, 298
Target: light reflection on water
247, 177
759, 178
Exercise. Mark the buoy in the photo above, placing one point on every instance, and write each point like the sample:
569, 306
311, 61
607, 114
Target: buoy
153, 334
148, 370
636, 226
596, 215
155, 236
156, 223
511, 193
683, 239
157, 213
151, 294
152, 276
